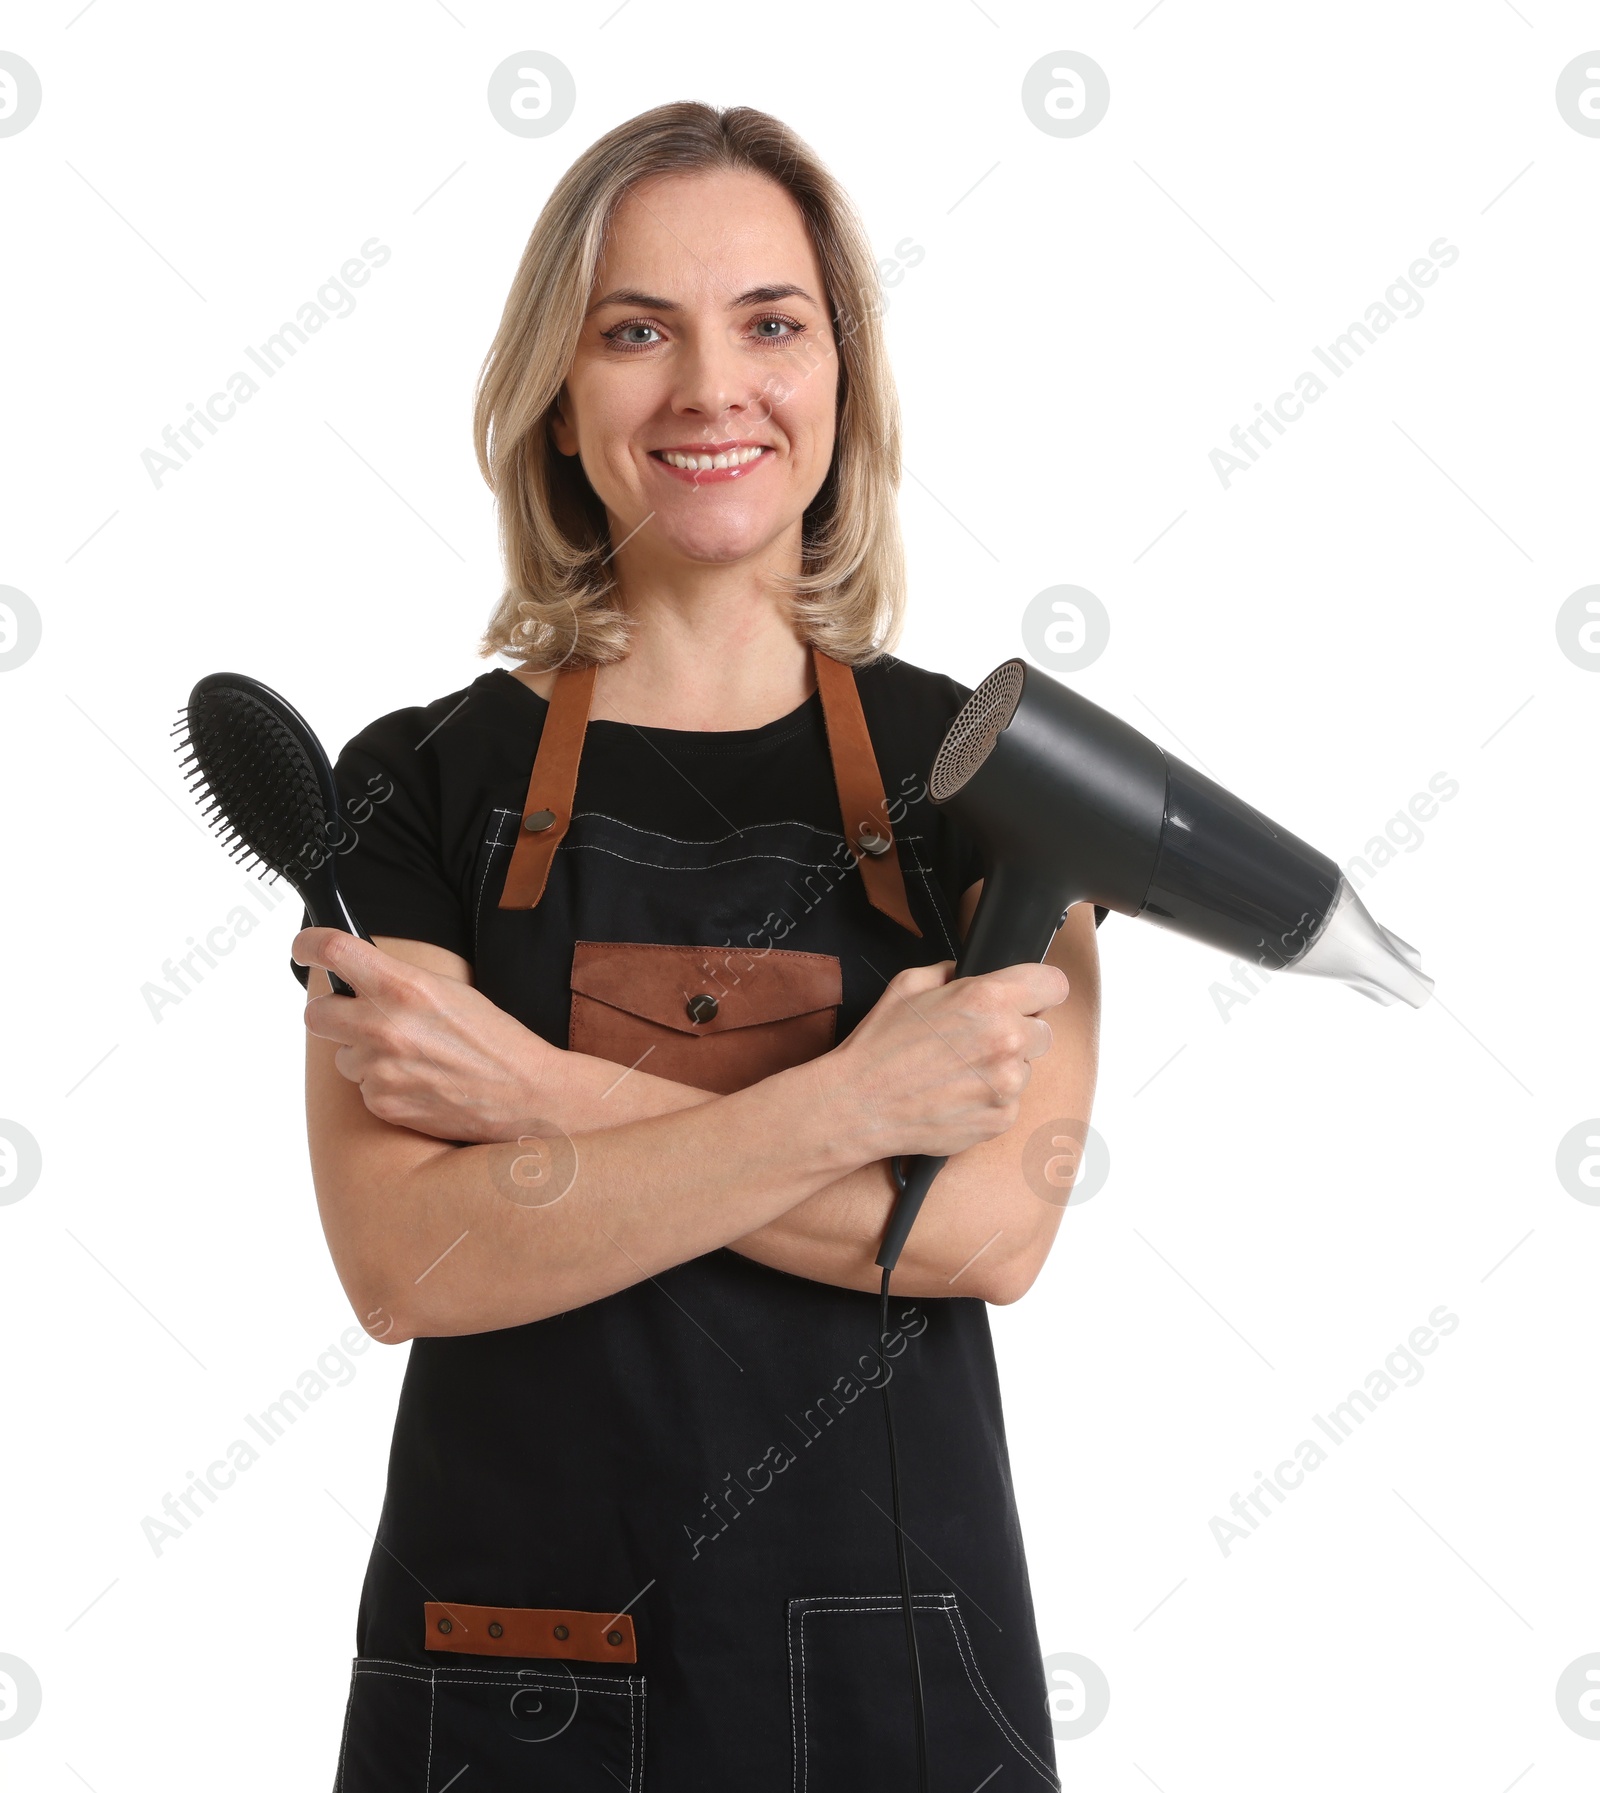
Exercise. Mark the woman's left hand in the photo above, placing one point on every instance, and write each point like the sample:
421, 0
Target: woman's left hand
429, 1051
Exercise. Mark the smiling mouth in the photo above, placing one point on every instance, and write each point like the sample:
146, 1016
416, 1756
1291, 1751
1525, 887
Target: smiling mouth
701, 471
709, 463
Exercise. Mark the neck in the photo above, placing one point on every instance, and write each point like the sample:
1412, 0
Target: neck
712, 646
718, 655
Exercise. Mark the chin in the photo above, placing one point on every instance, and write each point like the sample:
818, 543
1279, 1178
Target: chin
718, 547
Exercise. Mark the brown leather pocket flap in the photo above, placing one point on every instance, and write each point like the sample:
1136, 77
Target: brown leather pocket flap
724, 987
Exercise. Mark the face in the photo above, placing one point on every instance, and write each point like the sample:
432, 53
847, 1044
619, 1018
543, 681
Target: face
702, 395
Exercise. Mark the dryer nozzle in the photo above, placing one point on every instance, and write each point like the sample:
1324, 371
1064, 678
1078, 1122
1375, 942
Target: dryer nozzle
1361, 952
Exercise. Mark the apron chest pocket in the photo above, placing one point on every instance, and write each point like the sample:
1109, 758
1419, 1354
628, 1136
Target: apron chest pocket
702, 1015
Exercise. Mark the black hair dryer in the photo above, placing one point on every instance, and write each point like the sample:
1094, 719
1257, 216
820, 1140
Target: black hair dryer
1070, 805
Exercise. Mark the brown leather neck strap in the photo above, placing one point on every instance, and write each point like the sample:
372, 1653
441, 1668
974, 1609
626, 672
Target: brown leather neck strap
861, 800
547, 813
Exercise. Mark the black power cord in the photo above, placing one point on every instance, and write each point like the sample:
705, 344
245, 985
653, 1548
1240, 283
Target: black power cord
900, 1530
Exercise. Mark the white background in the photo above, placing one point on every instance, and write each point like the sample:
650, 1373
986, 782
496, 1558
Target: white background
1292, 1190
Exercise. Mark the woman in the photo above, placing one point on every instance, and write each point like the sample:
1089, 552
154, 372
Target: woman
660, 983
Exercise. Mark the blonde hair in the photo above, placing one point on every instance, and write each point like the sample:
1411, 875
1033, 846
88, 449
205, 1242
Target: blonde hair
560, 603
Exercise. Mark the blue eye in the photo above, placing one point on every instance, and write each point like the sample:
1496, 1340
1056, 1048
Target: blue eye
616, 337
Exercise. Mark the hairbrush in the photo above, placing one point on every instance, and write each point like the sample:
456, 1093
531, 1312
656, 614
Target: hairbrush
268, 791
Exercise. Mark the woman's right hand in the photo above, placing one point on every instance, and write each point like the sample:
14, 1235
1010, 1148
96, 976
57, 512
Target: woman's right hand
939, 1064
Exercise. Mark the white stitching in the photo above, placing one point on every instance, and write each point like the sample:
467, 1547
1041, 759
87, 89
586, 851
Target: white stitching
810, 1605
805, 1733
633, 1691
662, 946
539, 1679
794, 1739
501, 816
945, 1603
904, 840
580, 815
925, 1601
477, 910
427, 1779
585, 815
803, 1759
933, 901
573, 846
344, 1736
570, 845
969, 1661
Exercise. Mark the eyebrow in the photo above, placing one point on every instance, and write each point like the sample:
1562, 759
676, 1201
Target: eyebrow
757, 295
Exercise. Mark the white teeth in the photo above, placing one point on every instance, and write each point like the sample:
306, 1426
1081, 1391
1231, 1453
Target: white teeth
704, 463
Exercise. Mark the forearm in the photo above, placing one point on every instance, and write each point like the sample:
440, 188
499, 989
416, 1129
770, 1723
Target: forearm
581, 1093
964, 1243
473, 1238
831, 1236
964, 1239
959, 1246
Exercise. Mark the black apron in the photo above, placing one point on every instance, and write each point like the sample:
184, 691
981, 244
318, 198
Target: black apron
647, 1543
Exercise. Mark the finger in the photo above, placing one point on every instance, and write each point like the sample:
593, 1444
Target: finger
348, 1019
1040, 1038
368, 968
914, 979
1032, 987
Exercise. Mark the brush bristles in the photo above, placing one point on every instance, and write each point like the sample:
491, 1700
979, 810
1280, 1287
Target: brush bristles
258, 790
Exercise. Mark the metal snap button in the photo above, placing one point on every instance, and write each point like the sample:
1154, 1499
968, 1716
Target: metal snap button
870, 841
496, 1629
445, 1626
613, 1637
702, 1007
537, 820
561, 1631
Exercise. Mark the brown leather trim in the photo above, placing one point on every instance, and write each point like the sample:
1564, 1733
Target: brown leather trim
860, 786
862, 806
657, 981
553, 781
529, 1631
773, 1010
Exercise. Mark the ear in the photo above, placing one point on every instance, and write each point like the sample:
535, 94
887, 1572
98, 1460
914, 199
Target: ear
566, 439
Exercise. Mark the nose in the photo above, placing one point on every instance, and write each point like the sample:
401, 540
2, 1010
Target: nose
715, 378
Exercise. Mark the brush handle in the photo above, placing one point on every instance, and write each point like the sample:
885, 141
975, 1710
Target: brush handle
325, 904
1017, 916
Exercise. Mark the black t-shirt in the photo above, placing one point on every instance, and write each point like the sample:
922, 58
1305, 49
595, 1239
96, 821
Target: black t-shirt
427, 787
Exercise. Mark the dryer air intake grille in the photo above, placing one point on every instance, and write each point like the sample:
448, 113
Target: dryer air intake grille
971, 736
